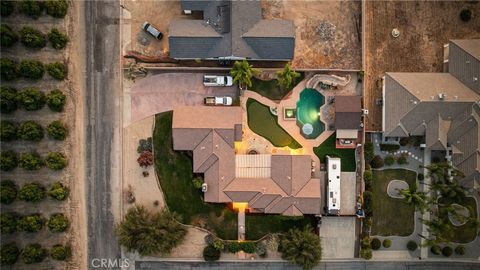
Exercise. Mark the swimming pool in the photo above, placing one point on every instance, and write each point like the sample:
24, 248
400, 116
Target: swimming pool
308, 113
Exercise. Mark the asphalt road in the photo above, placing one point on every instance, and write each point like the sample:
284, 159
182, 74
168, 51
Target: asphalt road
102, 84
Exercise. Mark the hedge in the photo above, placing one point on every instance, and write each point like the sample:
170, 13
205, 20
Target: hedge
368, 202
31, 69
7, 36
8, 99
8, 69
32, 38
368, 152
31, 99
56, 100
8, 191
389, 147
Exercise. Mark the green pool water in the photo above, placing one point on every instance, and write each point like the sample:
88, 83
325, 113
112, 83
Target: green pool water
308, 112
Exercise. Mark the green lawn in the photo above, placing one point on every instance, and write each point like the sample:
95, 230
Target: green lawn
270, 88
328, 148
258, 225
467, 232
391, 216
264, 123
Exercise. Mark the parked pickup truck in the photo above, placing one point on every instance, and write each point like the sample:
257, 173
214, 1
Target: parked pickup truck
218, 101
217, 80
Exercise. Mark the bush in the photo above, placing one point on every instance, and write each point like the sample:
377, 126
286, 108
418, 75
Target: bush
31, 69
55, 161
197, 182
33, 253
377, 162
412, 245
447, 251
58, 191
57, 70
435, 249
31, 8
31, 99
57, 130
145, 145
210, 253
389, 147
8, 191
8, 223
56, 100
58, 39
32, 192
404, 141
31, 223
8, 131
368, 202
145, 159
420, 176
368, 152
247, 246
233, 247
465, 15
8, 160
301, 247
368, 178
8, 69
261, 249
9, 252
30, 131
60, 253
6, 8
460, 250
32, 38
7, 36
402, 159
218, 244
8, 99
57, 223
366, 253
376, 244
389, 160
56, 8
387, 243
30, 161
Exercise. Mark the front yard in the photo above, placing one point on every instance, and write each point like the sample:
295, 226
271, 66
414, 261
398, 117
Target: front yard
328, 148
465, 233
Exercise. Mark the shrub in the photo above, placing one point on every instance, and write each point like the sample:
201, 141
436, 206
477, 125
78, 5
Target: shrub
376, 243
8, 191
57, 70
57, 130
32, 38
435, 249
389, 160
145, 159
58, 39
8, 69
8, 99
389, 147
57, 223
9, 252
31, 8
145, 145
31, 69
218, 244
30, 131
447, 251
420, 176
387, 243
402, 159
301, 247
247, 246
366, 253
210, 253
6, 8
31, 223
465, 15
460, 250
233, 247
8, 223
8, 131
30, 161
368, 178
412, 245
197, 182
8, 160
56, 8
377, 162
32, 192
404, 141
58, 191
7, 36
368, 152
261, 249
56, 100
60, 253
55, 161
31, 99
33, 253
367, 202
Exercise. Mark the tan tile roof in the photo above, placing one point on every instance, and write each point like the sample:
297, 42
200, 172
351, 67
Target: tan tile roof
348, 104
206, 117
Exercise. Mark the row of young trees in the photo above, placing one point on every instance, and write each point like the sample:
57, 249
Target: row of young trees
243, 72
32, 38
31, 161
32, 192
32, 253
30, 69
31, 131
11, 222
30, 99
34, 8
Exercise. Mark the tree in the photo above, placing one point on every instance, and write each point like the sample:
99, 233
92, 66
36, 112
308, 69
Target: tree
31, 69
57, 70
33, 253
440, 230
287, 77
8, 131
8, 99
57, 223
55, 161
8, 191
32, 192
58, 191
31, 8
412, 245
447, 251
8, 160
389, 160
8, 223
56, 100
30, 131
451, 190
149, 233
58, 39
301, 247
6, 8
414, 197
145, 159
60, 253
210, 253
31, 223
377, 162
32, 38
30, 161
465, 15
7, 36
31, 99
56, 8
8, 69
242, 73
57, 130
9, 254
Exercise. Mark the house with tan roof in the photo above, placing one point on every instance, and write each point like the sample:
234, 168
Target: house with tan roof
348, 121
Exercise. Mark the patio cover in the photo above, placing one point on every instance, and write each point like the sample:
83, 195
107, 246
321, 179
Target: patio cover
347, 134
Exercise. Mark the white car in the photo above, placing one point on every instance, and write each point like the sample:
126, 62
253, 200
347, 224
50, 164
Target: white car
218, 101
152, 30
217, 80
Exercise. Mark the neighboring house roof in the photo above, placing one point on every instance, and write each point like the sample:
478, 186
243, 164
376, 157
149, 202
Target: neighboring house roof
464, 62
348, 112
231, 29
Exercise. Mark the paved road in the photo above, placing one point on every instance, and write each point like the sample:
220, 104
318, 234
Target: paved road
102, 82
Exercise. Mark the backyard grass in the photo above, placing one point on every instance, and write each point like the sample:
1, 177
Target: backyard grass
264, 123
391, 216
270, 88
328, 148
467, 232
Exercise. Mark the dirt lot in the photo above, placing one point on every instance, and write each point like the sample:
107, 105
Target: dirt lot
424, 28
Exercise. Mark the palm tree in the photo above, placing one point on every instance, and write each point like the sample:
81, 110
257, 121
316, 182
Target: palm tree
414, 197
301, 247
287, 77
450, 190
242, 73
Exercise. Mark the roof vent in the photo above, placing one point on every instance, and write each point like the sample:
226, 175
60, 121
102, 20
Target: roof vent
441, 96
475, 79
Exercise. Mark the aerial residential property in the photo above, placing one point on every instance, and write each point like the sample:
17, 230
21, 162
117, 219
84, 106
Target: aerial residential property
239, 134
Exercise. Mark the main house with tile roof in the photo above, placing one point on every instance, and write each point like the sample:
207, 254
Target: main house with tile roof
443, 107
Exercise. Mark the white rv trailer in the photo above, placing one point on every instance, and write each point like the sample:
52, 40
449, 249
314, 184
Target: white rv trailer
333, 185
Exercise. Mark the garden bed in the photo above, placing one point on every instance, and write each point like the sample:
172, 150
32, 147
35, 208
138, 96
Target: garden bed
347, 156
465, 233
